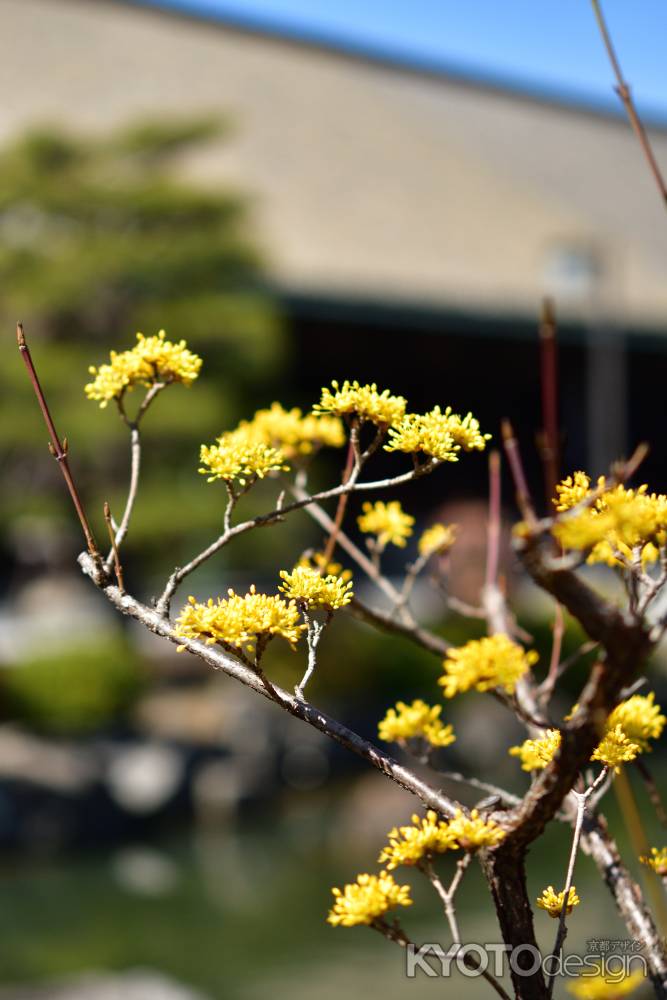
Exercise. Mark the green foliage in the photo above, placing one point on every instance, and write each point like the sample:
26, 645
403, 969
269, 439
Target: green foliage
79, 689
102, 237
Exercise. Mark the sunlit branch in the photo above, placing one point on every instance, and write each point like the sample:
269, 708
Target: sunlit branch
582, 799
278, 514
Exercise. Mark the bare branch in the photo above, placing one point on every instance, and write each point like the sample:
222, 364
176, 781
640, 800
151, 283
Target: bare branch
58, 450
386, 623
623, 91
114, 548
600, 845
278, 514
581, 800
301, 709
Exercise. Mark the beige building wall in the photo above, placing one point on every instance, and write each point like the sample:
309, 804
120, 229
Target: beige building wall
367, 180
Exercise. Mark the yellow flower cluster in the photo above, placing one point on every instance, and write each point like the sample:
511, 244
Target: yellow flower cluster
494, 661
628, 729
239, 621
615, 749
430, 835
553, 902
573, 490
536, 754
603, 987
417, 720
152, 359
640, 719
292, 433
409, 844
657, 861
436, 539
616, 524
367, 900
436, 434
236, 456
473, 832
388, 521
307, 586
364, 401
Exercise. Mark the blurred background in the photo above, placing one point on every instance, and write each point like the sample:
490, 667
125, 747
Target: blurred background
304, 191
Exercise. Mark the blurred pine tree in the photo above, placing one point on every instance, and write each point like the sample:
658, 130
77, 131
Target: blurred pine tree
99, 238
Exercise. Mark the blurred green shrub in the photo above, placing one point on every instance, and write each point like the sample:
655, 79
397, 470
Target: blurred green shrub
76, 690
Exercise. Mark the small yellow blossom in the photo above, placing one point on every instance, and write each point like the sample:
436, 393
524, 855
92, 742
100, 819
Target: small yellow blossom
170, 362
657, 861
615, 749
308, 586
473, 832
536, 754
367, 900
152, 359
437, 435
436, 539
552, 902
640, 719
603, 987
494, 661
239, 621
572, 491
237, 457
315, 560
364, 401
409, 844
292, 433
417, 720
388, 521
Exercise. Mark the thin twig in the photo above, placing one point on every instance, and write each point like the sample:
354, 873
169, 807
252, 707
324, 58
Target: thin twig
547, 687
392, 932
652, 789
549, 437
447, 896
58, 450
135, 450
278, 514
320, 515
340, 510
114, 547
483, 786
523, 497
135, 462
494, 523
582, 800
623, 90
544, 691
386, 623
219, 659
313, 636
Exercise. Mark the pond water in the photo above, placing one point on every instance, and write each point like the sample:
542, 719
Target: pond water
240, 914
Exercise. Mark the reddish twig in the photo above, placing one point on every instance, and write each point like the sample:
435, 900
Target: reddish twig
340, 511
523, 498
57, 449
547, 687
493, 529
623, 90
549, 437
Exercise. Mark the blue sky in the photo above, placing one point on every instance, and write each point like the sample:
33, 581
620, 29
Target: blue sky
545, 45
